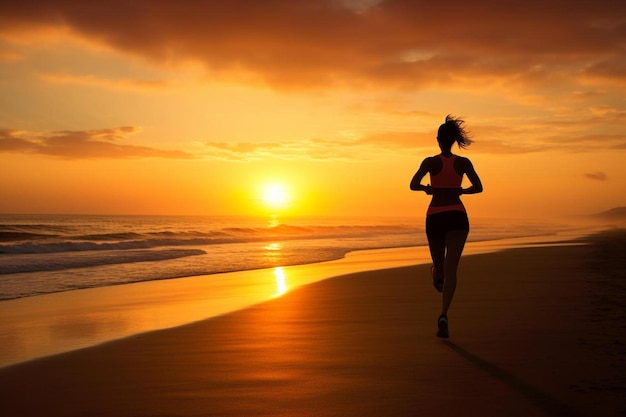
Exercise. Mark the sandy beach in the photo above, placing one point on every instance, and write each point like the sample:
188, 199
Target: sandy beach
534, 332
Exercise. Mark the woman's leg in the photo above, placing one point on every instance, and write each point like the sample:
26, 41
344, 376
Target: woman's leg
437, 246
436, 234
454, 244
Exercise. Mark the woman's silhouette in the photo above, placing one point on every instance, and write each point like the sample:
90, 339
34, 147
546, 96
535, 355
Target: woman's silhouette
447, 225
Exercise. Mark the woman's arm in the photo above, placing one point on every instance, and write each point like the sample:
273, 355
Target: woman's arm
417, 178
472, 176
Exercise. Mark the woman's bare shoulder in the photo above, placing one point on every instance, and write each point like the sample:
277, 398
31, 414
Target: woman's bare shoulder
462, 164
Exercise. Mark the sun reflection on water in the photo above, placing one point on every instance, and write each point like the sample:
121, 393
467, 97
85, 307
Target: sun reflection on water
281, 281
272, 252
273, 246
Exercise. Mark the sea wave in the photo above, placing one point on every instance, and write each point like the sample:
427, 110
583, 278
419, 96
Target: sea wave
42, 254
21, 242
35, 263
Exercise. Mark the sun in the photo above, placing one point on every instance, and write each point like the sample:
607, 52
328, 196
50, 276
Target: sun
275, 196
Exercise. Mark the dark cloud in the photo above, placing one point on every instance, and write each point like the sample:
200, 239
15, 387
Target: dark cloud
613, 69
596, 176
305, 43
103, 143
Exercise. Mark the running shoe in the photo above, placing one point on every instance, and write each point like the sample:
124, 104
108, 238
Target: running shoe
442, 324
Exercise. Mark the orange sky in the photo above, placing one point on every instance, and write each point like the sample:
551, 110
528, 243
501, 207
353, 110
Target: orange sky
194, 107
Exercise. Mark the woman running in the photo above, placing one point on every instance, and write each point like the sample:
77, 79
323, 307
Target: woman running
447, 225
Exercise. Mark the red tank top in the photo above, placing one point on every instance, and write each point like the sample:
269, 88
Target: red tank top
447, 177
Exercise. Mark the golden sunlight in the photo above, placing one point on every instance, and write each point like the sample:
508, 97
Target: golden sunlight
281, 281
275, 196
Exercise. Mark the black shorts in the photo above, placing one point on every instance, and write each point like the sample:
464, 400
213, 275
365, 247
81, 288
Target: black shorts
438, 225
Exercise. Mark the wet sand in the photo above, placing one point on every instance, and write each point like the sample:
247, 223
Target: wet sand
534, 332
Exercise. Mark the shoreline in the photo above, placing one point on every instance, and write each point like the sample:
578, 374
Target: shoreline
527, 338
500, 243
39, 326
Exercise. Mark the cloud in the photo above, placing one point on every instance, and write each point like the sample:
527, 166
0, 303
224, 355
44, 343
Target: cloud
347, 148
103, 143
366, 147
108, 143
513, 140
308, 149
359, 43
612, 70
10, 56
91, 80
596, 176
589, 142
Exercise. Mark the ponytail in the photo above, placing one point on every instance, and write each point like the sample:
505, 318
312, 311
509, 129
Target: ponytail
453, 131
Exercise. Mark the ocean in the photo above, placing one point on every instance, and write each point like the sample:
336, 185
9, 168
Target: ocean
42, 254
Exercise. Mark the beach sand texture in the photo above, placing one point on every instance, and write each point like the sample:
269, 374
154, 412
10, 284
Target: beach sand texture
534, 332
